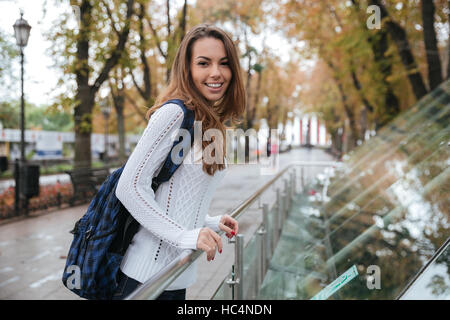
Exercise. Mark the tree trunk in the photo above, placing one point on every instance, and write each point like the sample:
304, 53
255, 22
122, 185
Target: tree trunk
398, 34
353, 135
429, 35
363, 123
146, 92
83, 127
347, 108
391, 107
367, 105
336, 142
448, 45
84, 98
183, 21
379, 47
119, 106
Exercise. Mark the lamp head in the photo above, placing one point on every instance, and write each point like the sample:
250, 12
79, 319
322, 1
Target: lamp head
21, 31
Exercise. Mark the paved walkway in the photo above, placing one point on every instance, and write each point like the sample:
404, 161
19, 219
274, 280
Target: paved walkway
33, 250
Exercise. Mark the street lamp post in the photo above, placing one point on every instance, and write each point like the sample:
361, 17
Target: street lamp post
105, 108
21, 33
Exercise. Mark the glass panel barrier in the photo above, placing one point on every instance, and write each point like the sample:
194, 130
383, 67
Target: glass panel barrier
252, 260
385, 213
433, 283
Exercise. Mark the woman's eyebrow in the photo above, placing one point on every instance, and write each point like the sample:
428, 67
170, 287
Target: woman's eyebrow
209, 59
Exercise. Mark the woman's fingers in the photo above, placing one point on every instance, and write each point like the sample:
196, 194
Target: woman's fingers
210, 251
218, 241
208, 241
229, 225
225, 228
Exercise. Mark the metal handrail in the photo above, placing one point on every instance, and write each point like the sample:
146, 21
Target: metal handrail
153, 287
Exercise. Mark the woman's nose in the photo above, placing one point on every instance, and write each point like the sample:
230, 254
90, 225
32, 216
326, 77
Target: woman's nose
215, 71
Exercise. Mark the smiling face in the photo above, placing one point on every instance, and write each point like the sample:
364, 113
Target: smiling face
210, 70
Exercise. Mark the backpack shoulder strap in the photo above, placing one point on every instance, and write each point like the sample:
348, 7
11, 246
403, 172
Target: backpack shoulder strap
169, 167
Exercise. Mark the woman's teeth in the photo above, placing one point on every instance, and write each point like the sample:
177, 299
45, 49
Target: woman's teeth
214, 85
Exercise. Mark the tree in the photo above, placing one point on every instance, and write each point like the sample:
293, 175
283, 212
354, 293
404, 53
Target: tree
374, 70
93, 51
399, 36
142, 47
432, 52
9, 114
173, 37
388, 106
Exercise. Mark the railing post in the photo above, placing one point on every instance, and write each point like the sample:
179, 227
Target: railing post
239, 262
288, 196
294, 183
285, 202
291, 190
267, 243
293, 177
276, 220
262, 233
232, 281
302, 176
259, 263
280, 215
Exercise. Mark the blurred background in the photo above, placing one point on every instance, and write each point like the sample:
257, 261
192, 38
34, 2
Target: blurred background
77, 77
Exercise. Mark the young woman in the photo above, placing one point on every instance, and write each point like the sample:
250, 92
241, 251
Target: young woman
206, 76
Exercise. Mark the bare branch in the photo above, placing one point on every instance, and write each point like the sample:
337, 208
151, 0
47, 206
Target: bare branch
141, 92
158, 41
113, 23
134, 104
114, 58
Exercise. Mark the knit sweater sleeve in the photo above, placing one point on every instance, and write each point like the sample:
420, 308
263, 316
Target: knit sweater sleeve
213, 222
134, 186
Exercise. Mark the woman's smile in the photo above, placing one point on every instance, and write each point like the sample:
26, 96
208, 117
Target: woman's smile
215, 87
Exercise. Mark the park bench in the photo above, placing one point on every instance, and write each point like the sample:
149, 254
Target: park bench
86, 182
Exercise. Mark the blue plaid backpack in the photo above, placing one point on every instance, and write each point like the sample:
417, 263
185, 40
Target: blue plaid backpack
103, 234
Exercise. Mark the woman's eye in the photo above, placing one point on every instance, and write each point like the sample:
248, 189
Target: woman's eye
206, 63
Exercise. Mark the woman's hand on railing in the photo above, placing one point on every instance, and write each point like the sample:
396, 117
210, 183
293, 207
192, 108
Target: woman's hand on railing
209, 241
229, 225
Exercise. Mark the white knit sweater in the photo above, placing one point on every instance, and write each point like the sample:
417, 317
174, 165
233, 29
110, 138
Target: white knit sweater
171, 218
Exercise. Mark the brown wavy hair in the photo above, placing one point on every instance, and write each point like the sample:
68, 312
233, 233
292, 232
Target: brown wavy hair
181, 86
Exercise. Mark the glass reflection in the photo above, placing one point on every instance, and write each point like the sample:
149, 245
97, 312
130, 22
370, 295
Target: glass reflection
387, 206
434, 282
